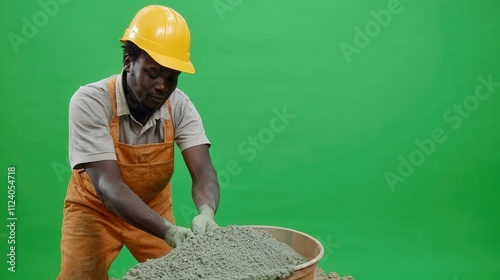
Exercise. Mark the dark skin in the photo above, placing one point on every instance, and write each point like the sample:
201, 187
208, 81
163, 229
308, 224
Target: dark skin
148, 86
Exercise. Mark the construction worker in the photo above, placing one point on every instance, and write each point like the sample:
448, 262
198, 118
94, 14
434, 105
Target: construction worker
122, 131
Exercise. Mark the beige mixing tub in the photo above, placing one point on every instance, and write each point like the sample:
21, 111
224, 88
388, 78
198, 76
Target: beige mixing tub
304, 244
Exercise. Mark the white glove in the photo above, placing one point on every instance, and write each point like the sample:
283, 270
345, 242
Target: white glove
176, 235
204, 222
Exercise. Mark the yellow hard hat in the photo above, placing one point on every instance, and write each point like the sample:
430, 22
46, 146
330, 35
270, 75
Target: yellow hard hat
164, 35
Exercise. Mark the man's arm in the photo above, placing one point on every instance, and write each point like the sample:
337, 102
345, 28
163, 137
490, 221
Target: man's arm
205, 189
121, 200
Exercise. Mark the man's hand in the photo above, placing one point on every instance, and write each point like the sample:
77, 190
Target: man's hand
204, 222
176, 235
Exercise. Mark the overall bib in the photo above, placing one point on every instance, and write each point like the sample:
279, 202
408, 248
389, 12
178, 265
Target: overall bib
92, 236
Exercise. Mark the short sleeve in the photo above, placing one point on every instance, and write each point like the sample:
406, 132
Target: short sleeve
188, 125
90, 113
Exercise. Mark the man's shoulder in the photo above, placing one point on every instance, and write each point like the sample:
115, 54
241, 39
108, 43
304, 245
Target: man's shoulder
178, 98
100, 86
92, 98
97, 90
178, 94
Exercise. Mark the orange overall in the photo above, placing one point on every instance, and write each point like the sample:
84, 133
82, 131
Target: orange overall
92, 236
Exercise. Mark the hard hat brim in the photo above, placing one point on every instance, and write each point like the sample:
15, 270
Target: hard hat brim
172, 63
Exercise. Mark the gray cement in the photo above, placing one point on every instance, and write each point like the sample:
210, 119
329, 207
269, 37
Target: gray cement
319, 274
228, 253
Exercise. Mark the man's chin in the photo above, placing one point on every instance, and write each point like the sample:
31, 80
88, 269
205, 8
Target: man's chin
149, 110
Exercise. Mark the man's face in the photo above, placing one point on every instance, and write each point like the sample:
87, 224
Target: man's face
149, 84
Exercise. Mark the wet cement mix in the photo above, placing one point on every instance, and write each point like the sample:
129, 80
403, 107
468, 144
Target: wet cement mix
319, 274
233, 252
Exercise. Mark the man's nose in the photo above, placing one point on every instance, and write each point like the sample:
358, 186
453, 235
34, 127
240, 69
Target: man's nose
161, 85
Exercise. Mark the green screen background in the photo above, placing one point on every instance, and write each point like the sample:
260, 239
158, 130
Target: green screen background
307, 118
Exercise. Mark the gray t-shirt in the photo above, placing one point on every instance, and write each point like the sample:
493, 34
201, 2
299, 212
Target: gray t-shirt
90, 113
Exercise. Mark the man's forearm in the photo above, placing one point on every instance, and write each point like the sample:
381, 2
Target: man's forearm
206, 191
121, 200
127, 205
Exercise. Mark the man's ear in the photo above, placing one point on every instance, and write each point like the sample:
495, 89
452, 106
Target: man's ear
126, 63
